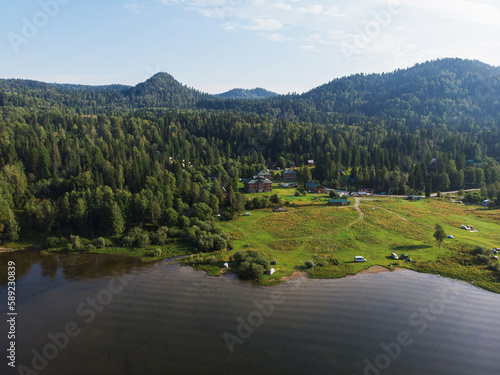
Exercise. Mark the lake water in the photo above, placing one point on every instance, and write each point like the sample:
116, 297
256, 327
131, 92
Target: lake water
76, 316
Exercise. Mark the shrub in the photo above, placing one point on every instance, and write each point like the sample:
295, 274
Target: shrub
127, 241
157, 253
219, 243
309, 263
161, 236
480, 250
76, 243
483, 259
52, 242
334, 194
90, 247
252, 264
100, 243
143, 241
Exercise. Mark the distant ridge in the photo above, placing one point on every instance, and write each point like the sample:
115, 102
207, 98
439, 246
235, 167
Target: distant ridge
257, 93
446, 90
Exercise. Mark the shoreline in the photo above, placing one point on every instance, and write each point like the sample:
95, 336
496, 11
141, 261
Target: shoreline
373, 270
9, 250
379, 269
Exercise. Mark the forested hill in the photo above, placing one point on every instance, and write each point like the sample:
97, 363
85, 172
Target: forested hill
444, 88
257, 93
163, 91
449, 90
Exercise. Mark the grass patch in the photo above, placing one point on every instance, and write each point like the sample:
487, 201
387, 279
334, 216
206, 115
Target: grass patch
320, 232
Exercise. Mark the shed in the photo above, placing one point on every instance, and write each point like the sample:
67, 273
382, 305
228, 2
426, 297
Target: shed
339, 202
271, 271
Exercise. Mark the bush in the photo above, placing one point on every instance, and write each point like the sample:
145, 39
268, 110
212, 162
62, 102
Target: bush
52, 242
157, 253
483, 259
160, 237
334, 194
76, 243
252, 264
143, 241
127, 241
309, 263
480, 250
219, 243
100, 243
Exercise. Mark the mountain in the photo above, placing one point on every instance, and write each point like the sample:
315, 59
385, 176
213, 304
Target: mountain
162, 90
444, 88
257, 93
447, 90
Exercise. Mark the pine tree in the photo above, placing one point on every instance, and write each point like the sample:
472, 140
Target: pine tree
117, 221
12, 227
439, 234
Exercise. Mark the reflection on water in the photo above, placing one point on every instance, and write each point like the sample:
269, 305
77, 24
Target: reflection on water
165, 319
72, 266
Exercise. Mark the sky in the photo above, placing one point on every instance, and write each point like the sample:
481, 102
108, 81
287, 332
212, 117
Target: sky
215, 45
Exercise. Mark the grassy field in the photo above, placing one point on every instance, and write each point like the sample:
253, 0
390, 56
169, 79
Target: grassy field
332, 236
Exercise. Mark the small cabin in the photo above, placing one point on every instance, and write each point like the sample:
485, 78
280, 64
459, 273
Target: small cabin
339, 202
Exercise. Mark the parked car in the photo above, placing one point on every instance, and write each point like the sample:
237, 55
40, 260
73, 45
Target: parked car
405, 257
451, 236
394, 256
359, 259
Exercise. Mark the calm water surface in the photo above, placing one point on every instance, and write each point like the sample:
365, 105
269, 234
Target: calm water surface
133, 318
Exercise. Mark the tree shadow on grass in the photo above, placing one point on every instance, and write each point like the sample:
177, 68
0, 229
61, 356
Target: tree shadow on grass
412, 247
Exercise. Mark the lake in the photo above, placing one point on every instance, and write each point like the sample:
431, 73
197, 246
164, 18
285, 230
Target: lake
98, 314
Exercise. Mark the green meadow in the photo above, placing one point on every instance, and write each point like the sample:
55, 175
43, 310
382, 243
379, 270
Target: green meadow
332, 236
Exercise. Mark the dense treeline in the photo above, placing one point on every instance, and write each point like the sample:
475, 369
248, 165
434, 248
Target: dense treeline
101, 175
113, 160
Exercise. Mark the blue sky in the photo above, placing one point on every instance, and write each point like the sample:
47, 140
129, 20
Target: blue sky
216, 45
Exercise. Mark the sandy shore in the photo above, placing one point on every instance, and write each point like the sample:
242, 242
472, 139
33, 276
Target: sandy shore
380, 269
295, 275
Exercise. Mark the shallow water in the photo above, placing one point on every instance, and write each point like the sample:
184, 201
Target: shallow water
165, 319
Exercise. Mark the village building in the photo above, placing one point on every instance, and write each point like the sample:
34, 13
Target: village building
264, 174
289, 175
310, 163
338, 202
258, 185
272, 165
314, 188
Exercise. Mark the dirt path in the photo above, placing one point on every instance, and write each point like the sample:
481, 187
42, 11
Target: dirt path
361, 213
